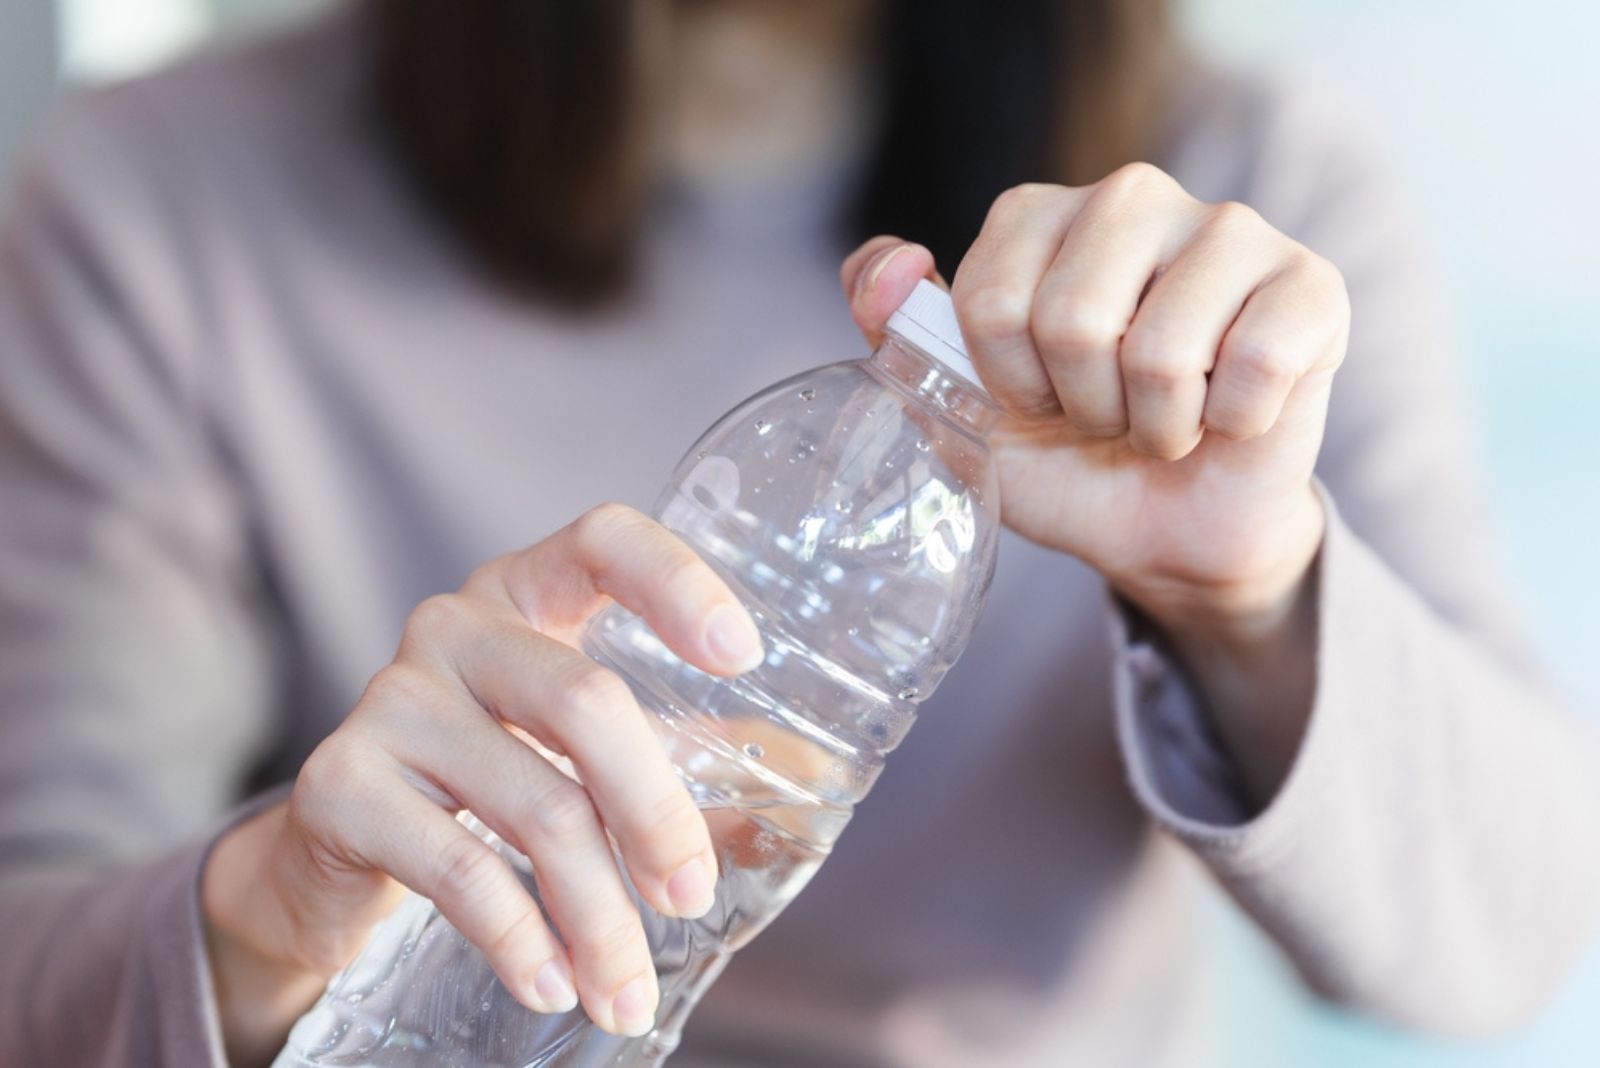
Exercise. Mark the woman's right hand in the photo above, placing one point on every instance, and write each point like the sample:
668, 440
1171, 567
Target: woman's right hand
290, 896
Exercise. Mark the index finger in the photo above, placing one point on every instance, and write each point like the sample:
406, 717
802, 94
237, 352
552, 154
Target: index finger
613, 552
995, 286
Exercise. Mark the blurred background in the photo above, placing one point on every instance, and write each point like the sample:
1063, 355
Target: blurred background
1489, 117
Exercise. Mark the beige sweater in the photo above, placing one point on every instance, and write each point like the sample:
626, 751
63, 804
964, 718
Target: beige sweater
253, 409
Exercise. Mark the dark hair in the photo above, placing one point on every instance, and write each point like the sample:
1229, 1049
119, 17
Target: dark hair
518, 120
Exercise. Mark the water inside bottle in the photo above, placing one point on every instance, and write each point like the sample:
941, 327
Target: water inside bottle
858, 527
419, 994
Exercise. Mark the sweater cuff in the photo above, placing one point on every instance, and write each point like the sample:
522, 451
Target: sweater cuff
173, 960
1179, 770
175, 967
188, 956
179, 969
107, 965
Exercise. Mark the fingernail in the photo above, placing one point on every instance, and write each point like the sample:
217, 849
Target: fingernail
633, 1012
877, 268
554, 986
691, 890
734, 638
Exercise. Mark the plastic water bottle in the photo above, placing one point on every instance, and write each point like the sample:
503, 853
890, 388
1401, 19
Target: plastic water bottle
854, 511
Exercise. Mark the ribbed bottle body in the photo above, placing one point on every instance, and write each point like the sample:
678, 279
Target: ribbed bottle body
853, 511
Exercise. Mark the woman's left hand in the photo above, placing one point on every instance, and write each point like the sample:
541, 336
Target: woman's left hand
1164, 365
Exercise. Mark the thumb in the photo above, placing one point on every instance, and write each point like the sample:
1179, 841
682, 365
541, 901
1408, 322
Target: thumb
879, 276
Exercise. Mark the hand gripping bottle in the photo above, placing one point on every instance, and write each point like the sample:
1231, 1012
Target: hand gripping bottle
853, 509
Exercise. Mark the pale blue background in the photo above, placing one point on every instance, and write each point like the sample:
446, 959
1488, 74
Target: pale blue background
1489, 116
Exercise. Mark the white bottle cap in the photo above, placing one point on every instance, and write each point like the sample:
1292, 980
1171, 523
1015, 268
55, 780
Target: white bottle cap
927, 320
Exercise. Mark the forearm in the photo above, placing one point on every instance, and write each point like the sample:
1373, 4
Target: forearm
1431, 857
105, 966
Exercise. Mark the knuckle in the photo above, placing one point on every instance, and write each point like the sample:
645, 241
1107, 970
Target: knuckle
1071, 327
518, 938
995, 312
401, 698
467, 869
615, 938
1231, 217
396, 685
593, 695
1159, 377
1138, 179
682, 574
672, 822
333, 768
437, 616
490, 575
563, 813
1146, 362
1261, 362
1023, 198
604, 522
1324, 274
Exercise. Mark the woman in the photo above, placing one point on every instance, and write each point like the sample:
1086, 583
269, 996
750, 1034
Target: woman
295, 338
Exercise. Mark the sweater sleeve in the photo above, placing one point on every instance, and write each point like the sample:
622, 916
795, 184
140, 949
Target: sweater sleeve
135, 654
1431, 856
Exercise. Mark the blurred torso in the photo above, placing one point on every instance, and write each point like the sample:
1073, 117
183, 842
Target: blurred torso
393, 423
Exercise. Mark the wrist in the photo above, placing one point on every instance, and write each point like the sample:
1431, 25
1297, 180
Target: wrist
236, 888
260, 989
1250, 649
1242, 608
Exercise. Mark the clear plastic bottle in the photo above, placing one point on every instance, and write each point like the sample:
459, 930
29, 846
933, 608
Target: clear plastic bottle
854, 511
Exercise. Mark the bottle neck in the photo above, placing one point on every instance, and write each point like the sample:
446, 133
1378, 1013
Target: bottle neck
936, 385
